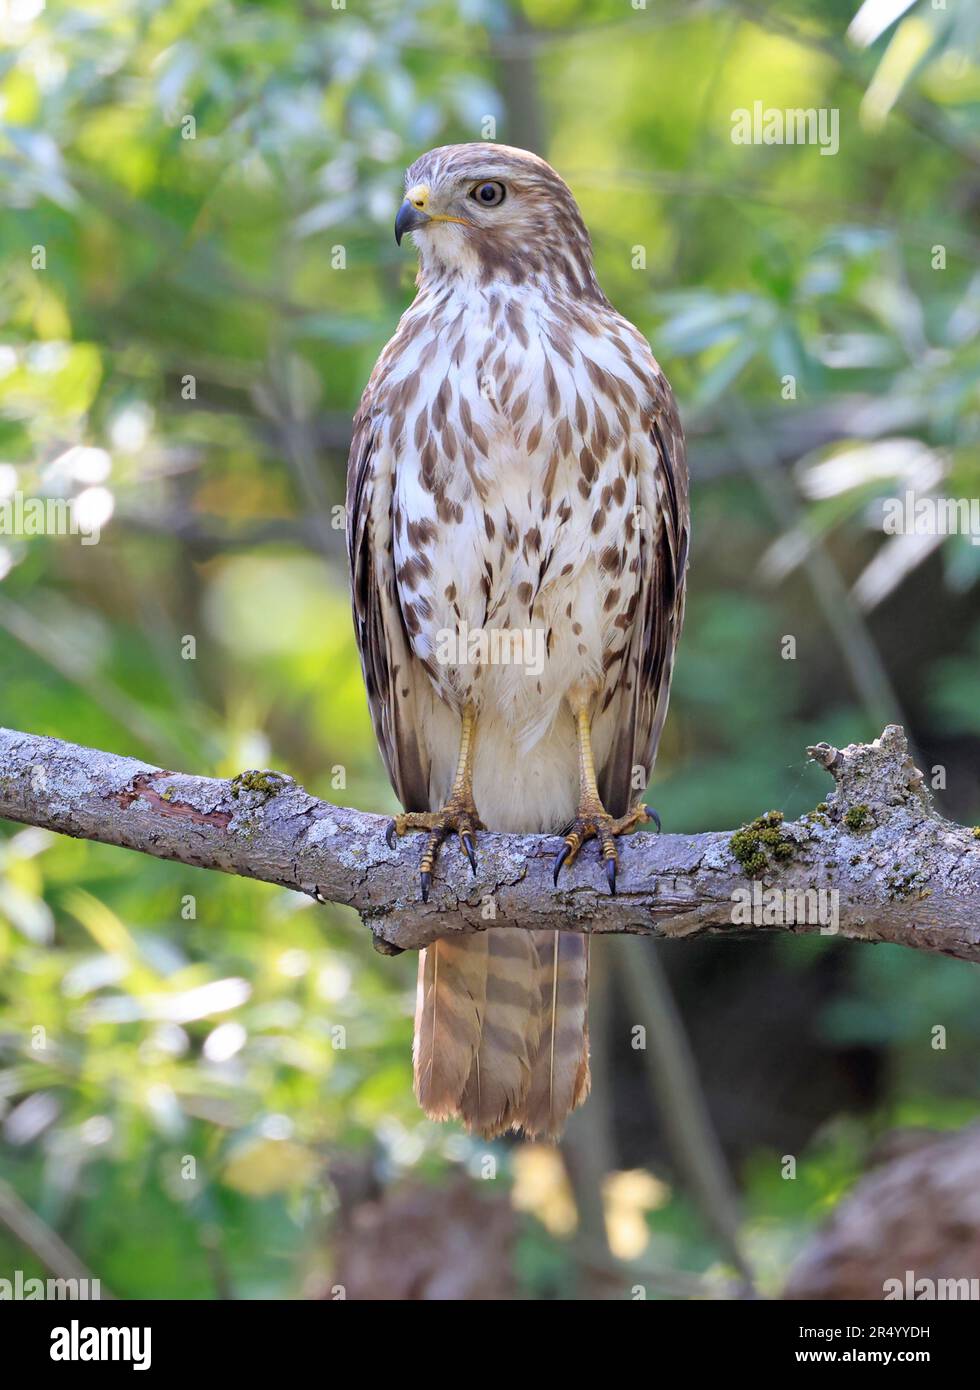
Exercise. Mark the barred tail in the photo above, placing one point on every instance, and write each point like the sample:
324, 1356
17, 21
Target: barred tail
449, 1012
501, 1030
560, 1072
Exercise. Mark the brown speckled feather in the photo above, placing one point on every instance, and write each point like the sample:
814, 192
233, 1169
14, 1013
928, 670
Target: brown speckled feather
379, 623
640, 702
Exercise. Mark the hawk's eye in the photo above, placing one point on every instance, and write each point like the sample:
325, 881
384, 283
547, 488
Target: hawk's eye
489, 195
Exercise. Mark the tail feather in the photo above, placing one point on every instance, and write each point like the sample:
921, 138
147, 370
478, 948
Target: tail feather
497, 1085
449, 1014
560, 1076
501, 1030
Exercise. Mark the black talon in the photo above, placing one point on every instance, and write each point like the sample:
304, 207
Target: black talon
426, 880
654, 817
467, 841
391, 836
560, 858
611, 875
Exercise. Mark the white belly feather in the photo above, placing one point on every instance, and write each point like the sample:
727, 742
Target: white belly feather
518, 496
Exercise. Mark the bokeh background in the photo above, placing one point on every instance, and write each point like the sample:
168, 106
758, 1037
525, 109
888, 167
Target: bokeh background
213, 186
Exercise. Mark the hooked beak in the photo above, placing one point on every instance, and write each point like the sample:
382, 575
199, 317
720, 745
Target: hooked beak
410, 216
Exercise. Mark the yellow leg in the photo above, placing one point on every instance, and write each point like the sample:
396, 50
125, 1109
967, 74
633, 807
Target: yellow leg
463, 780
593, 820
459, 813
588, 787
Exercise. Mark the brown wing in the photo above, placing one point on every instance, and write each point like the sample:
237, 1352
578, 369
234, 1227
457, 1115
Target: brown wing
391, 671
639, 706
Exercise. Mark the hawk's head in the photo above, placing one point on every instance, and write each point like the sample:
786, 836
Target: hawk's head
494, 213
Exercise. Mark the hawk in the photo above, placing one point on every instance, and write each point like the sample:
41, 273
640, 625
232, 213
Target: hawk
518, 521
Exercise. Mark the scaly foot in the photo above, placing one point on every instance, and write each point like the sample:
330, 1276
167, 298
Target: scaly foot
458, 814
594, 822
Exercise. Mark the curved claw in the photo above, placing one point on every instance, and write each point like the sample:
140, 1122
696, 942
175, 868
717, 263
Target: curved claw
652, 815
611, 875
466, 840
391, 835
560, 858
426, 880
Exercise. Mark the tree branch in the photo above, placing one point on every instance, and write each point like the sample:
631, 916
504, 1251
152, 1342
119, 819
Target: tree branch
888, 866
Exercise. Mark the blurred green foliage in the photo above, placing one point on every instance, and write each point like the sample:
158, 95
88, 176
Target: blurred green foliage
196, 274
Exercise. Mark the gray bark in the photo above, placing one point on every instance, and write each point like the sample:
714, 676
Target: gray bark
900, 871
